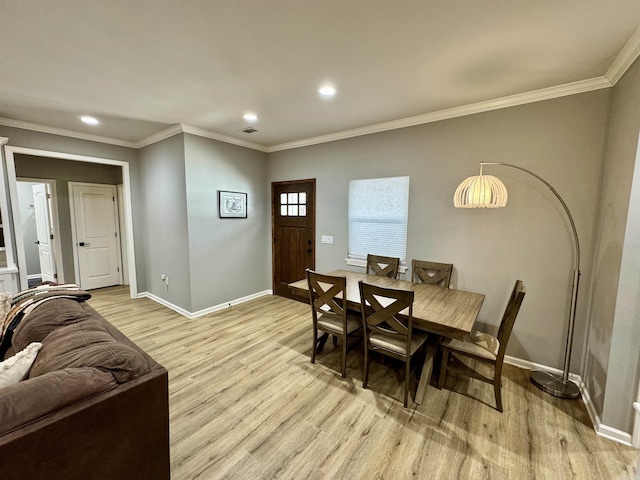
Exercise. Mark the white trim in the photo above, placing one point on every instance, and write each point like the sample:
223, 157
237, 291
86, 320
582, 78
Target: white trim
126, 182
635, 439
205, 311
8, 122
629, 54
600, 429
161, 135
35, 275
223, 138
471, 109
574, 88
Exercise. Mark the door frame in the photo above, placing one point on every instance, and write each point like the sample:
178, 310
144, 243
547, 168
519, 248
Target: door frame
126, 182
55, 226
273, 223
74, 231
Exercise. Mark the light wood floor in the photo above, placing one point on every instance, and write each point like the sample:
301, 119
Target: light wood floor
246, 403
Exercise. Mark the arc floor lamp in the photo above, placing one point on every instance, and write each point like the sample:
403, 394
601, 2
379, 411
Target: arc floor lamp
486, 191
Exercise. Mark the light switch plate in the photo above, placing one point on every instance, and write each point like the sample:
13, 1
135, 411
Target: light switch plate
327, 239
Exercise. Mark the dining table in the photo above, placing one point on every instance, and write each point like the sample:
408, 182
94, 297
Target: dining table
440, 311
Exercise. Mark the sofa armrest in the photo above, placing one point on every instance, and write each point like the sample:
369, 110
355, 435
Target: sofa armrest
120, 434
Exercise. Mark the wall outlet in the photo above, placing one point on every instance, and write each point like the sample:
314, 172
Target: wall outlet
328, 239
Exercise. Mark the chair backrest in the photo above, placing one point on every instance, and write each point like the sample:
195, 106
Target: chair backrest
384, 266
432, 273
509, 317
323, 290
380, 308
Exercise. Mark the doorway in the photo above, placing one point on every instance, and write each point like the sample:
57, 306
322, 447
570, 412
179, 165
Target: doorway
11, 151
39, 231
293, 216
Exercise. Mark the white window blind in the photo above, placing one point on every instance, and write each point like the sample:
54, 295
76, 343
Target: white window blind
378, 213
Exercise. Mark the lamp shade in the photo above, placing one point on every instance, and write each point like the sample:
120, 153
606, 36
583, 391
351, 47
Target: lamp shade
481, 191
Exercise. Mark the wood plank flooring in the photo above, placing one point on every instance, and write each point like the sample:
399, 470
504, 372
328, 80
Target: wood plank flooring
246, 403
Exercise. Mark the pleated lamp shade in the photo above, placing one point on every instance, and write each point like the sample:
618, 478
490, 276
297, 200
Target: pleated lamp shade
481, 191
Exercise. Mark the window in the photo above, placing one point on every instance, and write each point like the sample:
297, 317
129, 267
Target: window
293, 204
378, 213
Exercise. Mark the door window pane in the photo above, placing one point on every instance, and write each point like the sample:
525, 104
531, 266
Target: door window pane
283, 210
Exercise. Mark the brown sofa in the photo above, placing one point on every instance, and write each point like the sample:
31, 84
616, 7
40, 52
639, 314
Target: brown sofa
94, 406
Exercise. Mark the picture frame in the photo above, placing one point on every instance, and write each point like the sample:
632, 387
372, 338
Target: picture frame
232, 204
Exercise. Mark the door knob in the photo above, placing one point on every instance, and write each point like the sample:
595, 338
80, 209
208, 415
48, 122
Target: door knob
309, 250
83, 244
37, 242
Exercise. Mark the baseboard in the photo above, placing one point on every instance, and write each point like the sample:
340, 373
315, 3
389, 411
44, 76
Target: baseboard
231, 303
199, 313
600, 429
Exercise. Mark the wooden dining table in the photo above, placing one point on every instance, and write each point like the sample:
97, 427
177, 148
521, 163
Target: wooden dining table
444, 312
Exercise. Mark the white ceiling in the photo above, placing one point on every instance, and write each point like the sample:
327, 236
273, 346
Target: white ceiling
141, 66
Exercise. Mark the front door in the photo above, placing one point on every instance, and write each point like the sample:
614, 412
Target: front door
96, 232
42, 208
294, 225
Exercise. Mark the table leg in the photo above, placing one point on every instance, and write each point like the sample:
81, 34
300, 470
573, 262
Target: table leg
427, 370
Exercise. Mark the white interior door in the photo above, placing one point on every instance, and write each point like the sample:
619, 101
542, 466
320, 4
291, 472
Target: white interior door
44, 232
96, 234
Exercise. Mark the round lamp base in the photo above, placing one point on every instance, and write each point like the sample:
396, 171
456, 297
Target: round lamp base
553, 385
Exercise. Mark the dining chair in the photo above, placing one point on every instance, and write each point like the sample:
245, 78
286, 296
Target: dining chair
483, 347
387, 332
432, 273
384, 266
327, 296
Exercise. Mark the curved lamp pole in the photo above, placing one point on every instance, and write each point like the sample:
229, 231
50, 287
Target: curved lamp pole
489, 192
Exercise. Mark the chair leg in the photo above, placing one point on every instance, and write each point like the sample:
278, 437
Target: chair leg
444, 360
344, 356
335, 340
365, 382
315, 345
407, 372
496, 389
497, 386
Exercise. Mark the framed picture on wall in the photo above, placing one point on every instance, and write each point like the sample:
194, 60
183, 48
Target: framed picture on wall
232, 204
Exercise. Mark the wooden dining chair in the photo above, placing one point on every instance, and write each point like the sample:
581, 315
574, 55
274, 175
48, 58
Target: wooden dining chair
386, 266
385, 331
327, 296
432, 273
483, 347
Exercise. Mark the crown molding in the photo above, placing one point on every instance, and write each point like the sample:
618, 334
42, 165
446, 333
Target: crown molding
8, 122
480, 107
223, 138
629, 54
161, 135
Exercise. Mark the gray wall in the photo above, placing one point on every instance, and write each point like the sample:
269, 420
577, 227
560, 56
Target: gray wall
229, 258
165, 223
64, 171
562, 140
612, 356
28, 227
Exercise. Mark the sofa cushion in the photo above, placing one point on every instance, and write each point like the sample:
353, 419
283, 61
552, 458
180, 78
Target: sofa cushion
48, 316
88, 344
23, 403
16, 368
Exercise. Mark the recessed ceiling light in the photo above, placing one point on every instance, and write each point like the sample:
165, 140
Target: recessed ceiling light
327, 91
89, 120
250, 117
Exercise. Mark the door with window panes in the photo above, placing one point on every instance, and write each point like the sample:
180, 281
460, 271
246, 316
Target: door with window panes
293, 212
